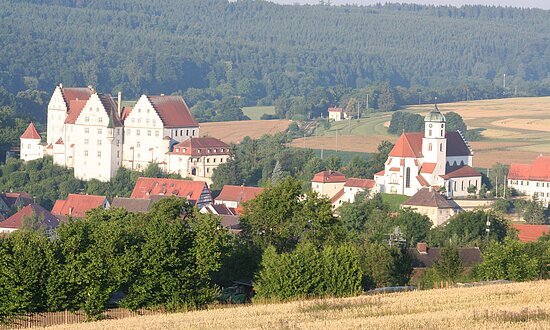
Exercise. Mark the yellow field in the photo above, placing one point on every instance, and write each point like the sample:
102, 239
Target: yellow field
235, 131
514, 129
498, 306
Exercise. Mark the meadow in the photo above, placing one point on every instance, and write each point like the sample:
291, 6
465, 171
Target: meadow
513, 129
256, 112
497, 306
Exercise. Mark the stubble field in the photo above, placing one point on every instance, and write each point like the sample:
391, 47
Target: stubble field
235, 131
498, 306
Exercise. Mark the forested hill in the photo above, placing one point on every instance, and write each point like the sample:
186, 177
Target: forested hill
170, 45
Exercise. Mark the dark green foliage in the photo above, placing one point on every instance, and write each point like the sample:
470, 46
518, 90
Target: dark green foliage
226, 109
405, 122
386, 101
309, 271
508, 260
469, 228
414, 227
383, 265
449, 266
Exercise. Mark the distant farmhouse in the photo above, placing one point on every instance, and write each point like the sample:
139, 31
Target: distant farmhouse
94, 134
532, 179
337, 114
435, 158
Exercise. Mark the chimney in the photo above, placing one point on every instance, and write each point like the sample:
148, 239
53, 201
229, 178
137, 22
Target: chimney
119, 105
60, 85
422, 247
70, 210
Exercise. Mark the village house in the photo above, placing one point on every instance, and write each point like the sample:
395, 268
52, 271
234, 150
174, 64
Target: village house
197, 193
336, 187
233, 196
76, 206
337, 114
13, 201
95, 135
529, 232
32, 215
431, 203
433, 158
532, 179
133, 205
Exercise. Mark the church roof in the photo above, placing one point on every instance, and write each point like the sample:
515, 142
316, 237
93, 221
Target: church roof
435, 116
409, 145
461, 171
539, 170
173, 111
31, 133
75, 99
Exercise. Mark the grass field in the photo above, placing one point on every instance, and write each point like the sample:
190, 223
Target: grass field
394, 200
513, 130
255, 113
235, 131
497, 306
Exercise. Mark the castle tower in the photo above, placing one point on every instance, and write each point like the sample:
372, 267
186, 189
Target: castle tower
31, 146
434, 143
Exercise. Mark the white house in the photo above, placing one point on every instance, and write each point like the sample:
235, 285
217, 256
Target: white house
31, 144
337, 114
434, 158
532, 179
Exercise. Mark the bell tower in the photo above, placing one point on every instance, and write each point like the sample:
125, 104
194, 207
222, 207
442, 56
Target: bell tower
434, 143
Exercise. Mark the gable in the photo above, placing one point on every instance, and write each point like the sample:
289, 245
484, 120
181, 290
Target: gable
142, 114
409, 145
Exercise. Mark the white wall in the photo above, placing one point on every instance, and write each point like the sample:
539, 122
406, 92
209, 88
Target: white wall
31, 149
529, 188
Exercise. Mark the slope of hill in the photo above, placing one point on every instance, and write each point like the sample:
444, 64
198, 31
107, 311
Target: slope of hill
166, 46
499, 306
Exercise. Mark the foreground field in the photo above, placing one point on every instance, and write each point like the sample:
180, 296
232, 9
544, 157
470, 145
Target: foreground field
516, 127
235, 131
500, 306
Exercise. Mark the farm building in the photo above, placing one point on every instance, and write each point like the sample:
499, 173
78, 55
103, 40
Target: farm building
532, 179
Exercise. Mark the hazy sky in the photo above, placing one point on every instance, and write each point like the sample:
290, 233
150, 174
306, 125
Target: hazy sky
545, 4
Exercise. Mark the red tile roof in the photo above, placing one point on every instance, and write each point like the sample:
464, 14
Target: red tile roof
530, 233
16, 198
173, 111
147, 187
201, 147
16, 220
408, 145
360, 183
463, 171
329, 177
335, 110
126, 112
539, 170
76, 107
238, 194
76, 205
337, 197
31, 133
394, 169
422, 181
380, 173
428, 168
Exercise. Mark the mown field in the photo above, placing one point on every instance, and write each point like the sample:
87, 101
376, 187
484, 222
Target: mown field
498, 306
513, 130
255, 113
235, 131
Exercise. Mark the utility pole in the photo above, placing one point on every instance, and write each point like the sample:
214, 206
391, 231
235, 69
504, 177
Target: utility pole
322, 149
419, 97
358, 115
304, 140
367, 102
496, 186
336, 140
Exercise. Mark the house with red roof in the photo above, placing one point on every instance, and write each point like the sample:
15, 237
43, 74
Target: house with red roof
530, 233
328, 183
433, 158
32, 215
197, 157
532, 179
196, 192
339, 189
76, 206
234, 196
31, 144
14, 201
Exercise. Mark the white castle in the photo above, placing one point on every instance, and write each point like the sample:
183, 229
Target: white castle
94, 134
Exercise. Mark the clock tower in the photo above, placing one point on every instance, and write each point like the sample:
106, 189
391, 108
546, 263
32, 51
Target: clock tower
434, 143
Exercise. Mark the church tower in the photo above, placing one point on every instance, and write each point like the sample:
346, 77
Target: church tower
434, 143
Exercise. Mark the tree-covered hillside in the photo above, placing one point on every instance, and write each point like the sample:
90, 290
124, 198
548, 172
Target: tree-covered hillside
260, 50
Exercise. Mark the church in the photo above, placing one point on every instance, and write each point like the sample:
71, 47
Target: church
430, 159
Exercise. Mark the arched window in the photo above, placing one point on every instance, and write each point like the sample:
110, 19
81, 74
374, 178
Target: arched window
408, 177
441, 147
430, 133
429, 147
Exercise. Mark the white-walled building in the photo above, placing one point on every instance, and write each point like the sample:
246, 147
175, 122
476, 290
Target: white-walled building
434, 158
94, 134
31, 144
337, 114
532, 179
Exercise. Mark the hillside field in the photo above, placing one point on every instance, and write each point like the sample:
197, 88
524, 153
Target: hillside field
255, 113
513, 129
497, 306
235, 131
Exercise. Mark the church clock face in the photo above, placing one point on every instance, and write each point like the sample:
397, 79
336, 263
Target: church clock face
430, 125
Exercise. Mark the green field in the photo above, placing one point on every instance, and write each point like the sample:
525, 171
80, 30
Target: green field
256, 112
394, 200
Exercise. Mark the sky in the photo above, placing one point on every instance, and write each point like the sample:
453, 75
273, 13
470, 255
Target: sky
545, 4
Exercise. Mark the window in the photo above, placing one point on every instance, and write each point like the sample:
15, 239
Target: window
98, 142
442, 133
455, 186
28, 146
99, 154
462, 185
99, 131
118, 154
86, 141
128, 131
430, 133
87, 119
408, 178
147, 120
100, 119
441, 147
148, 132
429, 147
85, 153
137, 132
187, 133
138, 145
156, 133
86, 130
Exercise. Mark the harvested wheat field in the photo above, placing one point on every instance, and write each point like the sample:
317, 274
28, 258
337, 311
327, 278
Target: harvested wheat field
513, 129
497, 306
235, 131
